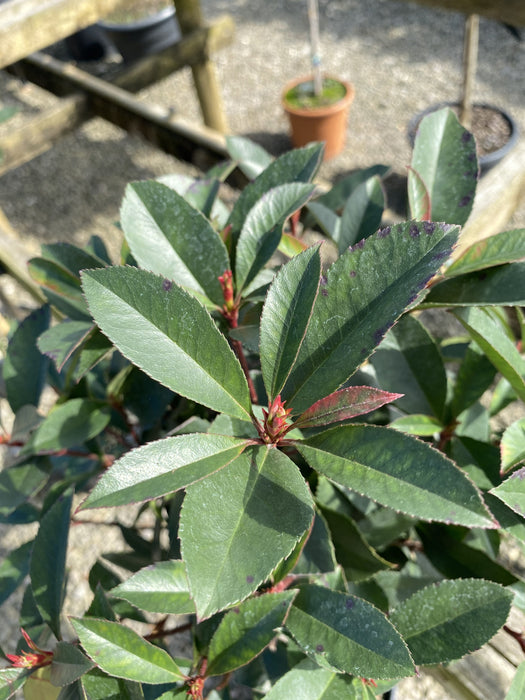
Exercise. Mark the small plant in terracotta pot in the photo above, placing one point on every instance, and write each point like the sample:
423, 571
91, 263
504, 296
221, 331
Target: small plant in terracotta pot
317, 106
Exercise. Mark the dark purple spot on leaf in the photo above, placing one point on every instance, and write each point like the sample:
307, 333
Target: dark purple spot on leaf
429, 227
236, 610
466, 136
465, 200
378, 335
349, 603
319, 648
384, 232
471, 156
363, 351
167, 285
324, 292
323, 281
414, 230
482, 276
353, 273
249, 579
360, 244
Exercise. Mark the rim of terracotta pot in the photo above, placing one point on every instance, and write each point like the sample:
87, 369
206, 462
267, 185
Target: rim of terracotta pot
317, 111
143, 23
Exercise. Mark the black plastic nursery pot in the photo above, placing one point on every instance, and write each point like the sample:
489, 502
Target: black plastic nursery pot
143, 37
495, 131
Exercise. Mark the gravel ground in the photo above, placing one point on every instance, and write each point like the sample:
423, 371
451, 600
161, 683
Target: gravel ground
400, 57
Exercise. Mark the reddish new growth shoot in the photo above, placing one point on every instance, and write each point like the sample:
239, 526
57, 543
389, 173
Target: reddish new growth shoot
276, 420
229, 309
28, 659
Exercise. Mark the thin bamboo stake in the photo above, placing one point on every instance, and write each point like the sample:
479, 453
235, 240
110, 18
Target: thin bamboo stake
470, 60
315, 45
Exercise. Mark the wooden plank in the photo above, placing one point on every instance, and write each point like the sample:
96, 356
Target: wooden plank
511, 11
30, 25
189, 17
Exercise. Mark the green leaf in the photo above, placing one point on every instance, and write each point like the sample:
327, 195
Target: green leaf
174, 339
497, 286
308, 681
123, 653
512, 491
13, 569
418, 197
246, 630
517, 687
445, 621
162, 467
251, 158
397, 471
69, 664
475, 375
169, 237
338, 195
344, 404
362, 213
70, 257
61, 341
445, 158
160, 588
262, 229
348, 633
317, 555
417, 424
409, 361
485, 328
69, 424
299, 165
24, 367
61, 287
328, 220
10, 680
358, 559
513, 445
361, 297
285, 317
18, 483
48, 561
96, 685
504, 247
238, 524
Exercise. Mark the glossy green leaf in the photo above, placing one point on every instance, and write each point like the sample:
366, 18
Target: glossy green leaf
398, 471
13, 569
96, 685
475, 375
18, 483
285, 317
61, 287
251, 158
362, 213
418, 197
485, 328
48, 561
123, 653
504, 247
445, 158
299, 165
168, 334
338, 195
308, 681
160, 588
417, 424
246, 630
513, 445
70, 257
409, 361
497, 286
317, 554
69, 424
60, 341
262, 229
442, 623
344, 404
358, 559
24, 367
10, 680
69, 664
348, 633
169, 237
328, 221
238, 524
162, 467
517, 687
512, 491
361, 297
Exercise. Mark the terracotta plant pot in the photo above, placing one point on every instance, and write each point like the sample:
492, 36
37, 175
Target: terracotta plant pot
145, 36
325, 123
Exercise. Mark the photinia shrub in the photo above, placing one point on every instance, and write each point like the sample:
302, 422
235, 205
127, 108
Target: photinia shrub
327, 485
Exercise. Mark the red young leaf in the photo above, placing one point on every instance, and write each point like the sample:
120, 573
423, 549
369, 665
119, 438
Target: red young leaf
343, 404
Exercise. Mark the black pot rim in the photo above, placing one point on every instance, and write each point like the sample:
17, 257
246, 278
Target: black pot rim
138, 24
486, 160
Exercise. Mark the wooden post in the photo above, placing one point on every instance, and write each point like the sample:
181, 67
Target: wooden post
189, 17
470, 61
